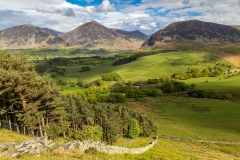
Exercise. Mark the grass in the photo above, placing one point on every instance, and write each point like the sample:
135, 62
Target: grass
193, 118
157, 66
163, 150
8, 136
174, 116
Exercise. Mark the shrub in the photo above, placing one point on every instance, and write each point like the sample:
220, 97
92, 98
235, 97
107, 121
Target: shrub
91, 151
85, 69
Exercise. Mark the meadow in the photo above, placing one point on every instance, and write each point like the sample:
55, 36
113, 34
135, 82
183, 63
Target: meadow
161, 65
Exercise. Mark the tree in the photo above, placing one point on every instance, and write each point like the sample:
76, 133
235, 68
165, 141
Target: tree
89, 132
134, 129
28, 98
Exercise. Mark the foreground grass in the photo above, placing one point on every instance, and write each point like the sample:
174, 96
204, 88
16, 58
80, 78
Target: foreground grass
8, 136
163, 150
192, 118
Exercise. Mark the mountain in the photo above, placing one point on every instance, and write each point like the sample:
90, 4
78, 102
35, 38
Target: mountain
194, 31
132, 34
235, 26
26, 36
51, 31
95, 35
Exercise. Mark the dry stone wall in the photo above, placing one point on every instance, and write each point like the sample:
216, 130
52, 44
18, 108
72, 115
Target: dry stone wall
36, 146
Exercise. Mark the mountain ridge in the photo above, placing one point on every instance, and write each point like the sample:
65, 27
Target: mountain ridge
95, 35
194, 31
25, 36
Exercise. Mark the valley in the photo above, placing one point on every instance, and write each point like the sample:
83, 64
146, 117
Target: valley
180, 82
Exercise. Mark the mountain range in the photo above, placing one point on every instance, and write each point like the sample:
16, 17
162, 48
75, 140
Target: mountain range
89, 35
93, 35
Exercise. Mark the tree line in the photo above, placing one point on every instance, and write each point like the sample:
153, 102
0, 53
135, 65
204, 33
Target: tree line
135, 56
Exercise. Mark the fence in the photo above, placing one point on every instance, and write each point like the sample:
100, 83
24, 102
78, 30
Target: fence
18, 128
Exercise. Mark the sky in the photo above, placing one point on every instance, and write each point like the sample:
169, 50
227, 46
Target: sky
147, 16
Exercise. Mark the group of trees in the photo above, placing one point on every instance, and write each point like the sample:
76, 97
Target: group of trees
85, 69
111, 77
114, 120
206, 72
27, 98
34, 101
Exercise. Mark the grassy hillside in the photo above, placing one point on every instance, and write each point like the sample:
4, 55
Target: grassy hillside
161, 65
193, 118
185, 121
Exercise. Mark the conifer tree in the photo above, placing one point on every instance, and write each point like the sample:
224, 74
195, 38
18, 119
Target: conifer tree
134, 129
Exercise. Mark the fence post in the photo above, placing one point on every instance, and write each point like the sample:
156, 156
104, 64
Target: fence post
0, 124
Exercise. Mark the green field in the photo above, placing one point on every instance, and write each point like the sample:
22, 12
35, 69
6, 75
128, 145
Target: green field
157, 66
193, 118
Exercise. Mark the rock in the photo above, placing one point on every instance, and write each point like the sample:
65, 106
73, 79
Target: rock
36, 146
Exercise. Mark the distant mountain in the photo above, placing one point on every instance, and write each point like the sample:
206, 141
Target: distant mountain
194, 31
51, 31
26, 36
132, 34
95, 35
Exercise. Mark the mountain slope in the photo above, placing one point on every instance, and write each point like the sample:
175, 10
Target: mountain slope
51, 31
132, 34
25, 36
194, 31
95, 35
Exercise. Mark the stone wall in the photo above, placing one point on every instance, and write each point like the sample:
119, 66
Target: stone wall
36, 146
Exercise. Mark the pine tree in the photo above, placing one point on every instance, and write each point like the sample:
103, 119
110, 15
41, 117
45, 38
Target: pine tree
134, 129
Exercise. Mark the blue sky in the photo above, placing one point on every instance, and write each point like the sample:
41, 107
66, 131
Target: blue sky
147, 16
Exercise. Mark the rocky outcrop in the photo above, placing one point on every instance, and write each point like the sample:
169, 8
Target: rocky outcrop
36, 146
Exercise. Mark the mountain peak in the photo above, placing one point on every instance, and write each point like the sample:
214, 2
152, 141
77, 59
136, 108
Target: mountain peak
195, 31
89, 34
23, 36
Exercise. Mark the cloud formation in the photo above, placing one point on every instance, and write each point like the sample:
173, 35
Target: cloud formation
106, 6
145, 15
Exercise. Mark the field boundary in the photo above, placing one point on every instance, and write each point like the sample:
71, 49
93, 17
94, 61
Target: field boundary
198, 140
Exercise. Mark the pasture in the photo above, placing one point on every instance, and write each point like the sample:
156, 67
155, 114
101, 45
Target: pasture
161, 65
192, 118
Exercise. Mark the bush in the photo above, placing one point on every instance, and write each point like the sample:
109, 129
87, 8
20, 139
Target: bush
85, 69
116, 98
89, 132
91, 151
111, 77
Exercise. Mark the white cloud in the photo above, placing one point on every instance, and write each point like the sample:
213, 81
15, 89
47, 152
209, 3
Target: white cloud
145, 27
131, 21
90, 9
106, 6
153, 24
